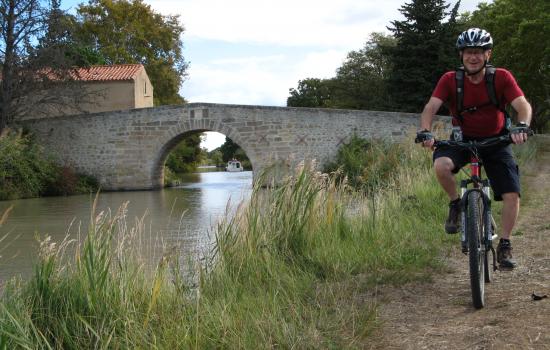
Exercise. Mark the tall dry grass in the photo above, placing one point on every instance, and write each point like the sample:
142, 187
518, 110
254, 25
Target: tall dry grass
296, 267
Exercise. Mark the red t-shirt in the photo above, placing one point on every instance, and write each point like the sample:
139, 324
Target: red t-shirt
488, 120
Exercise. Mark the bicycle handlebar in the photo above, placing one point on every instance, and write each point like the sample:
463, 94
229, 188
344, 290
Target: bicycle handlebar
489, 142
493, 141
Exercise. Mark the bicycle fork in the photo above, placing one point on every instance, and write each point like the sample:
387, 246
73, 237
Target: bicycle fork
489, 223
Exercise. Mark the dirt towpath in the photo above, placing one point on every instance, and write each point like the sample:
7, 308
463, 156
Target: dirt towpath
440, 315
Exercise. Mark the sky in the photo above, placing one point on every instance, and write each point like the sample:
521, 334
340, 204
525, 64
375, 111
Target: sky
253, 51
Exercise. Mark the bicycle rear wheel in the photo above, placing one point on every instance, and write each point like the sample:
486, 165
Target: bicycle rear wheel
476, 248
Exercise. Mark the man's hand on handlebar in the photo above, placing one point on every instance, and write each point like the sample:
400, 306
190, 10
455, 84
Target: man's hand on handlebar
425, 137
520, 133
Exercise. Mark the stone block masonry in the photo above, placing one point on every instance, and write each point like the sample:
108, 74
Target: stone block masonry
126, 150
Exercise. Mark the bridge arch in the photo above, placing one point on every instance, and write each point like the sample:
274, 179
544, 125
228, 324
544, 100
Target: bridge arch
125, 150
165, 147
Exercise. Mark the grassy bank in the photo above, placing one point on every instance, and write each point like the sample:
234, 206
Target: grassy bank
26, 170
296, 267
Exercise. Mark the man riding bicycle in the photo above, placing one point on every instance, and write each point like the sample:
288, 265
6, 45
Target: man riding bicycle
468, 93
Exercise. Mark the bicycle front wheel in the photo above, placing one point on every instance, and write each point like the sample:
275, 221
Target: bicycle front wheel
476, 248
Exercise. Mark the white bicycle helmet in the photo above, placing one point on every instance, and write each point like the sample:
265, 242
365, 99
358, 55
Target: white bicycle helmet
474, 37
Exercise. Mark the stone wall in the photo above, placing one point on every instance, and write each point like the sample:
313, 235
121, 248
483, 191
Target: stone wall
126, 150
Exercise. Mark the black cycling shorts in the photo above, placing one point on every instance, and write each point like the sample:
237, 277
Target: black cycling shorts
498, 162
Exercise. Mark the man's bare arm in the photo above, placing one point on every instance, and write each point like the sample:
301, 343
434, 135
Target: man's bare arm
525, 112
427, 116
523, 108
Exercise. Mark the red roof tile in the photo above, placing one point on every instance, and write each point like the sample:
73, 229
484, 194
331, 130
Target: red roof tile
108, 73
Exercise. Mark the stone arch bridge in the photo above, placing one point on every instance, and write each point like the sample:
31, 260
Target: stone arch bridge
126, 150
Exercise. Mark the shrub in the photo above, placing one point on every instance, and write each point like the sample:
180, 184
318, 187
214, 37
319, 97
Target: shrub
370, 165
26, 170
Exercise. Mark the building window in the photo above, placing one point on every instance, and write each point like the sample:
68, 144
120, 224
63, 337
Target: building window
145, 88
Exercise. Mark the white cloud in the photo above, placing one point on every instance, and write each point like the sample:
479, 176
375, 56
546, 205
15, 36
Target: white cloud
257, 80
320, 64
325, 23
287, 28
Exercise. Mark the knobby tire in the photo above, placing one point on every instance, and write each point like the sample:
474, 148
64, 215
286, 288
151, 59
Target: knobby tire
476, 250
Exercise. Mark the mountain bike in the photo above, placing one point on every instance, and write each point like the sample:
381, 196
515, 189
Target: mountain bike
477, 224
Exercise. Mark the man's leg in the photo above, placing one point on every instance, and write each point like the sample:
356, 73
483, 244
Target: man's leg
510, 210
503, 172
444, 171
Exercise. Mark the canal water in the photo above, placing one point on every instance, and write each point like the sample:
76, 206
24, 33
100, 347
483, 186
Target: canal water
183, 217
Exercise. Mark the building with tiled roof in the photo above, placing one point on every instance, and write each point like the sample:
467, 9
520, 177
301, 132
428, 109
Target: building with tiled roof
106, 88
122, 86
119, 72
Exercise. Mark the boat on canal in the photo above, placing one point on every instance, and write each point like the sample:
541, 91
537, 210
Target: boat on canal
234, 166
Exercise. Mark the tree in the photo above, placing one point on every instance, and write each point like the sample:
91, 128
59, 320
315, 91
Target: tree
422, 53
35, 72
521, 32
311, 92
61, 27
131, 32
360, 82
216, 157
231, 150
22, 21
186, 156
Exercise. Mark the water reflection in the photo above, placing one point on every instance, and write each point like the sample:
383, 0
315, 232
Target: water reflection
182, 217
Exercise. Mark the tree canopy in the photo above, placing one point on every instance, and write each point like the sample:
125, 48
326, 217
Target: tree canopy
186, 156
521, 35
424, 50
231, 150
311, 92
33, 59
359, 83
122, 31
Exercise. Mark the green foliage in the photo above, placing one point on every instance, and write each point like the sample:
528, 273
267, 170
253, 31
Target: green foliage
35, 58
424, 50
231, 150
369, 165
185, 157
520, 31
67, 182
360, 83
311, 92
215, 157
124, 31
26, 170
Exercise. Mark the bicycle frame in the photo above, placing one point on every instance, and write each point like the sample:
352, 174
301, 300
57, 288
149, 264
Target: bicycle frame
483, 187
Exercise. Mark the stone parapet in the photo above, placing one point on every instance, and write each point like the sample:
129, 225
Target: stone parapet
126, 150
